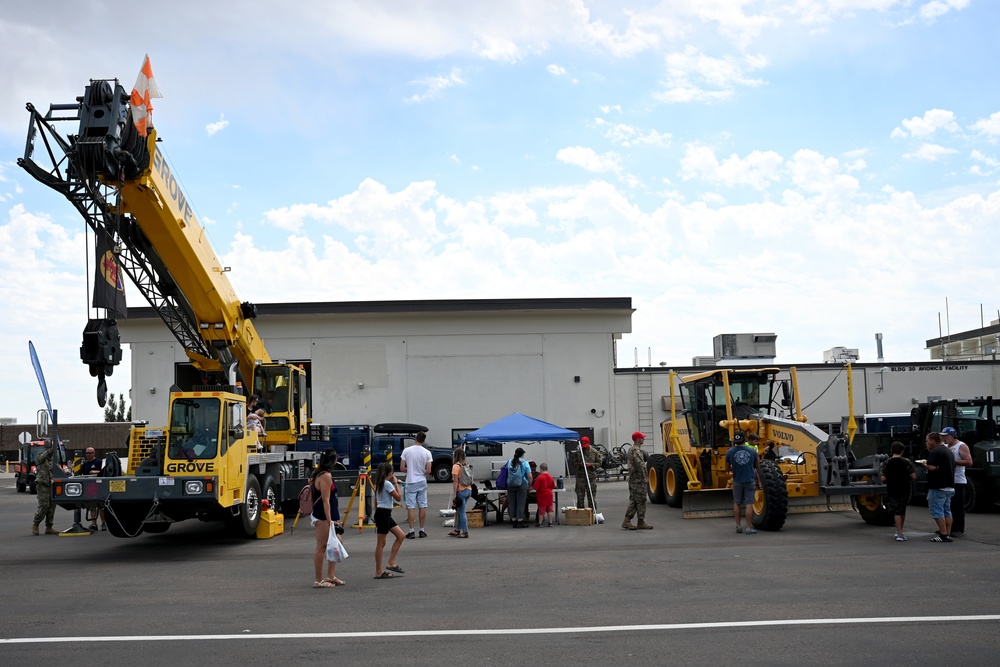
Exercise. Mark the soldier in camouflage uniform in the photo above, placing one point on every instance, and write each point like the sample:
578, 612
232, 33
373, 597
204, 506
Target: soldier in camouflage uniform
636, 484
43, 485
583, 469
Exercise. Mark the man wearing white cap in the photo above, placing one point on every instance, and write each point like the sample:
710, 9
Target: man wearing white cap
963, 457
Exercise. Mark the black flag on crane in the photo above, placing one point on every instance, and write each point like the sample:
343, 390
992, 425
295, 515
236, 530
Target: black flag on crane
109, 284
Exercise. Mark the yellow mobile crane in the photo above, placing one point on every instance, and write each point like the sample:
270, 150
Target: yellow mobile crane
802, 469
206, 463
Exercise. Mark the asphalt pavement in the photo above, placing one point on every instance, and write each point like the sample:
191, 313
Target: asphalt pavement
826, 589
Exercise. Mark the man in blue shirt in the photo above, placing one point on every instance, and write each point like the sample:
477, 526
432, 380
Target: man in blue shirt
741, 460
92, 466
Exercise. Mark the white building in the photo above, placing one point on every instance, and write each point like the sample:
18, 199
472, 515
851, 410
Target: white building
457, 365
449, 365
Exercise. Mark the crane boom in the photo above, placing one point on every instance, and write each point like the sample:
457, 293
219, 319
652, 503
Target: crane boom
122, 185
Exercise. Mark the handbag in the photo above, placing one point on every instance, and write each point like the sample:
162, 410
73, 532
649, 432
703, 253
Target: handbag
335, 551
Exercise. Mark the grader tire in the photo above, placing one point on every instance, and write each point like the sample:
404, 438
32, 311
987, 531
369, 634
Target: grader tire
655, 483
872, 509
770, 506
675, 481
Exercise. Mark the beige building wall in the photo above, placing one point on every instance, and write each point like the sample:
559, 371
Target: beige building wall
442, 370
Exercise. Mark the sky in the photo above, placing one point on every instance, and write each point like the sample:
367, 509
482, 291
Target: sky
821, 169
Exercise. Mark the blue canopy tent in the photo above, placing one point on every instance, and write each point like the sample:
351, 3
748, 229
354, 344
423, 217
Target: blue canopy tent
520, 428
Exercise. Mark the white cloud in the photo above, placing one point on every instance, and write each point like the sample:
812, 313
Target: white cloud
757, 170
987, 165
815, 173
556, 70
628, 136
988, 126
692, 76
589, 159
608, 108
930, 152
435, 85
926, 125
931, 11
214, 128
979, 156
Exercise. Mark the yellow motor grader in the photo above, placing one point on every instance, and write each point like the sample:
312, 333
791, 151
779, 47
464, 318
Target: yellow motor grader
802, 468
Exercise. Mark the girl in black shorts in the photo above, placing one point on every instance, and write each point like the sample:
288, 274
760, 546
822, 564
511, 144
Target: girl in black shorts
386, 491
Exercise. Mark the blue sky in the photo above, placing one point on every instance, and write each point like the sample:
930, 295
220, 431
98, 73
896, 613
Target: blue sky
823, 170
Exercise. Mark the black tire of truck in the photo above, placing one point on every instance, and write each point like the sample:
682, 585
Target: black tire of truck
125, 520
655, 484
871, 507
980, 494
441, 472
21, 487
245, 523
675, 481
156, 527
32, 488
268, 492
770, 506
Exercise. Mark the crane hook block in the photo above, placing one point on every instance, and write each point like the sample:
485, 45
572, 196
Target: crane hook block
102, 347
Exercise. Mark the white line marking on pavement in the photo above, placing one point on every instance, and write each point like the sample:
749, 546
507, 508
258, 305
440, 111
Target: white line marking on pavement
506, 631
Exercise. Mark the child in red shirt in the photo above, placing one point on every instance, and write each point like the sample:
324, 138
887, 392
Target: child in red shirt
543, 486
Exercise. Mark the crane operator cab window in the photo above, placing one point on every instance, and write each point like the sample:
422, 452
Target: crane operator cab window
271, 384
194, 428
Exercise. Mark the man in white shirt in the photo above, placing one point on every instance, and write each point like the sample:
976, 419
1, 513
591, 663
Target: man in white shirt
963, 458
416, 463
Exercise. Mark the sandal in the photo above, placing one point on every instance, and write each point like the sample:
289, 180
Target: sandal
387, 575
336, 582
454, 533
395, 568
463, 535
322, 584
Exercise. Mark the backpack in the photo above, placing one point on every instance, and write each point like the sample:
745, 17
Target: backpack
465, 479
306, 500
502, 478
516, 475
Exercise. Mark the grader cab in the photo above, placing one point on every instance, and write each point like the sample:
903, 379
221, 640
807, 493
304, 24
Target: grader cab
802, 469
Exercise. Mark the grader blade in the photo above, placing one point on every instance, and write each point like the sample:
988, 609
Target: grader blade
714, 503
707, 503
808, 504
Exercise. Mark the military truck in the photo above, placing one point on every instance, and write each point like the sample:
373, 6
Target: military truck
977, 421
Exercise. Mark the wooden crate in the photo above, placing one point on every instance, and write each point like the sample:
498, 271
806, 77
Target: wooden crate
475, 518
578, 517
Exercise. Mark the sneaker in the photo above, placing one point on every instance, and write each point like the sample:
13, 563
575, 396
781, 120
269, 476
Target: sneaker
410, 535
900, 538
957, 533
739, 529
751, 531
903, 536
422, 533
941, 538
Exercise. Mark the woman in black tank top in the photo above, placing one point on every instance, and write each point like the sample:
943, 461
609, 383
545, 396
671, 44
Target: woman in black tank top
325, 506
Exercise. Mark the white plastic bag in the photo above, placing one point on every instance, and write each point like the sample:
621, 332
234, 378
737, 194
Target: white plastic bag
335, 551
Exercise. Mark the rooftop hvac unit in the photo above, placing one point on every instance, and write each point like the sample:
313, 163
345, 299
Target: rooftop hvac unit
745, 346
840, 354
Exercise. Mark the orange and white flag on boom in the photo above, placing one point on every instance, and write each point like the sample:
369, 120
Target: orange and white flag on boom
145, 89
